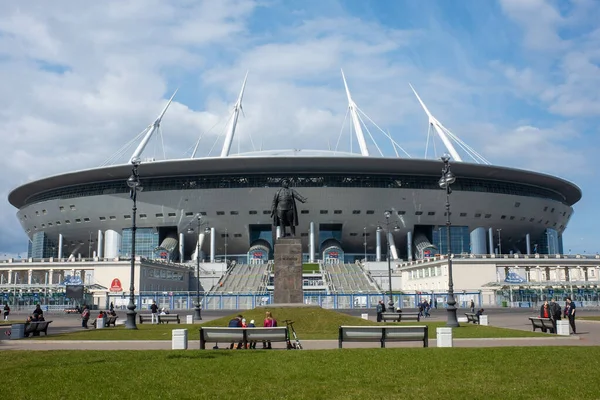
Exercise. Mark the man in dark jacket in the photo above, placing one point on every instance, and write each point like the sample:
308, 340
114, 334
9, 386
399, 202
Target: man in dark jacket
154, 311
380, 310
570, 314
236, 323
554, 312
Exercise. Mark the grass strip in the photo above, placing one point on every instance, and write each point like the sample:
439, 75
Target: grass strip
408, 373
311, 323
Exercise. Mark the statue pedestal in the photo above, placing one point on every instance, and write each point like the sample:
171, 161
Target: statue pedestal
288, 271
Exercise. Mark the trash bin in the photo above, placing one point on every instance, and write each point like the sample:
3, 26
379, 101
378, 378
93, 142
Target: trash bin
100, 323
189, 319
17, 331
179, 339
505, 304
444, 337
483, 320
364, 316
562, 327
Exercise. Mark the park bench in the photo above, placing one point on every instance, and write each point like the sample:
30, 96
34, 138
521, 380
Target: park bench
542, 323
472, 317
35, 328
145, 317
112, 320
394, 317
383, 334
408, 316
243, 335
166, 318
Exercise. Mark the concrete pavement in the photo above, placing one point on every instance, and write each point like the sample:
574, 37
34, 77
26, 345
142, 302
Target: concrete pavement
588, 335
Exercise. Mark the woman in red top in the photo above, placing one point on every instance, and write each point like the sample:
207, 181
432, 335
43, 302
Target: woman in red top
545, 310
545, 313
269, 322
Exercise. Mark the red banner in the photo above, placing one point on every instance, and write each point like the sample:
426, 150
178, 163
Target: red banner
115, 285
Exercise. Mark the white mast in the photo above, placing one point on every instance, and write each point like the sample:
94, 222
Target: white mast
439, 128
233, 123
355, 121
150, 131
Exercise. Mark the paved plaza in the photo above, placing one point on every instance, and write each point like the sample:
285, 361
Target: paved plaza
588, 334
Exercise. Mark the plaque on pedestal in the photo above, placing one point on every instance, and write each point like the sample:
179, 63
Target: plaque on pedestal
288, 271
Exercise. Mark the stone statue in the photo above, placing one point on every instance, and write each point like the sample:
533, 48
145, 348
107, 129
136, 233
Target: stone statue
283, 210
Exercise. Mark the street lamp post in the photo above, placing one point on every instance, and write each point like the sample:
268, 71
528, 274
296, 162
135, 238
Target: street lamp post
499, 241
134, 185
387, 215
199, 223
365, 242
445, 181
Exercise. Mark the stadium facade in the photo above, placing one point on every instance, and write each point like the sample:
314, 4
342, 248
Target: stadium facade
222, 205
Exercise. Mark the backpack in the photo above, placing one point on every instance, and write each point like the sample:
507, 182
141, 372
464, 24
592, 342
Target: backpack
379, 308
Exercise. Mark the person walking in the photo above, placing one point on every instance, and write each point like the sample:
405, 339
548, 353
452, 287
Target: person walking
85, 317
570, 314
380, 310
154, 309
6, 312
472, 306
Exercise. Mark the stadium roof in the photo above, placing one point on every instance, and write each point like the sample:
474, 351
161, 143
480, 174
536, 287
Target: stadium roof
295, 162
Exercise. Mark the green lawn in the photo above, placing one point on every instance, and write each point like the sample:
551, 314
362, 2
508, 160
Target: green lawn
409, 373
311, 323
589, 318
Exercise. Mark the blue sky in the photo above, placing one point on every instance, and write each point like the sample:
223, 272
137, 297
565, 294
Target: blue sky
516, 79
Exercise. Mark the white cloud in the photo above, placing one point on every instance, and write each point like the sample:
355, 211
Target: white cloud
83, 83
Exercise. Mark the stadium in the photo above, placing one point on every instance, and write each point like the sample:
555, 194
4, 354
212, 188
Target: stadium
361, 211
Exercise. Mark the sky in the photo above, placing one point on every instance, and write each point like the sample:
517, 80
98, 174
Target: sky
515, 79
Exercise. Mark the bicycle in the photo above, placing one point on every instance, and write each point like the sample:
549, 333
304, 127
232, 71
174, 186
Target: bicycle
291, 331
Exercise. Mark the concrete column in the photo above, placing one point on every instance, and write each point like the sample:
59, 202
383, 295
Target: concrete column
311, 243
181, 247
491, 240
100, 250
50, 276
393, 250
478, 241
409, 245
212, 244
60, 246
199, 244
29, 276
378, 245
10, 274
112, 244
528, 243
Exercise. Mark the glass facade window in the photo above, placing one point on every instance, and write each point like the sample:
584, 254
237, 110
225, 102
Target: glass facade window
304, 180
460, 239
42, 246
146, 240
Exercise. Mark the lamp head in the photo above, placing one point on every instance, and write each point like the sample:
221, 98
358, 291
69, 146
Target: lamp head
379, 228
387, 214
133, 182
190, 230
396, 228
207, 230
136, 161
445, 158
